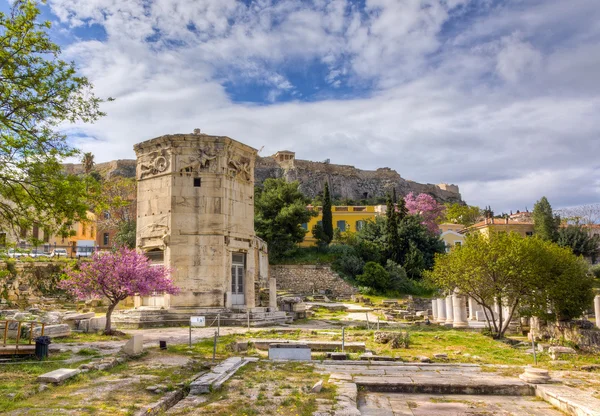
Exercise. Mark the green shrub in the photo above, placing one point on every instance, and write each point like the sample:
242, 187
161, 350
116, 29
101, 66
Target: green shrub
374, 276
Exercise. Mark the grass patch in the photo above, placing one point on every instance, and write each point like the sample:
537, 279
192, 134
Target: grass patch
77, 337
120, 390
267, 388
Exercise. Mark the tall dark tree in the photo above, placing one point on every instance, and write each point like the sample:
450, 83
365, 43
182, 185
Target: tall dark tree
327, 219
393, 247
394, 196
38, 92
401, 209
545, 223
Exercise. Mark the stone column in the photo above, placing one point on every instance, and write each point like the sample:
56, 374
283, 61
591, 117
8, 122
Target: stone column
441, 310
597, 310
449, 310
434, 309
472, 304
460, 311
272, 295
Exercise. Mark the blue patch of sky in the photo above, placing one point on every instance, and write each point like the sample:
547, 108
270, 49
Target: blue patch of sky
309, 83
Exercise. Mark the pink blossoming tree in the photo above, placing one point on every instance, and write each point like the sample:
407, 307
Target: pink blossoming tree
118, 275
427, 207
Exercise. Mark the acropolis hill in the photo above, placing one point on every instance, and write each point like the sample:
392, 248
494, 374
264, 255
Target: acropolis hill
346, 182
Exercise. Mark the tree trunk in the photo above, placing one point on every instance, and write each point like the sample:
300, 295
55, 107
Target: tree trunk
109, 311
509, 318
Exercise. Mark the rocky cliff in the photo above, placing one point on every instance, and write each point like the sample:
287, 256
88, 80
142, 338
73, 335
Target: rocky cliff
345, 182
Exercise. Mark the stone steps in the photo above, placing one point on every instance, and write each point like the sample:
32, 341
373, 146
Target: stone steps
571, 401
434, 384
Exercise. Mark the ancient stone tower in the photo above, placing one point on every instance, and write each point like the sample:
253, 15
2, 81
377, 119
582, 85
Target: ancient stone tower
195, 214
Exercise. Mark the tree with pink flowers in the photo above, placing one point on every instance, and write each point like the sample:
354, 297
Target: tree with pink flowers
427, 207
116, 276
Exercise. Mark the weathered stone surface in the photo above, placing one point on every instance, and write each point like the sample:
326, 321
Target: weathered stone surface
338, 356
78, 316
92, 325
317, 387
58, 376
53, 331
219, 375
310, 279
570, 400
135, 345
535, 375
195, 197
292, 352
441, 356
556, 352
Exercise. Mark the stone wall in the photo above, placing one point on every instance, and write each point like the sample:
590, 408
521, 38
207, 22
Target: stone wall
587, 339
25, 283
309, 280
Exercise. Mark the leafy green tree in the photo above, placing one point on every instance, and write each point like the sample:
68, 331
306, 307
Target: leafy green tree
279, 212
466, 215
416, 247
566, 282
38, 92
510, 270
327, 218
545, 223
495, 269
374, 276
398, 278
579, 241
125, 236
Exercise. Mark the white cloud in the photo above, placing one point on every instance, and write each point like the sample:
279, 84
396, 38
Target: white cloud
503, 102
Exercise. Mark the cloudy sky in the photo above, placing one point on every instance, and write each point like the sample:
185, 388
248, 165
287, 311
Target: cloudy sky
501, 97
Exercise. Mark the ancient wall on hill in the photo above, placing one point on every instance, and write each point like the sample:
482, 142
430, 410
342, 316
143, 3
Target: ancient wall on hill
344, 181
347, 181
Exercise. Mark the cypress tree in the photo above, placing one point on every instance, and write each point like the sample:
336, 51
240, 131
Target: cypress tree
401, 209
327, 220
545, 223
391, 230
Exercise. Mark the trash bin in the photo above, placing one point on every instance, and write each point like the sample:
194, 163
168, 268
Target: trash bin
41, 347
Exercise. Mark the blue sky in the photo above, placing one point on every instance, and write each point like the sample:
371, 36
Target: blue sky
500, 97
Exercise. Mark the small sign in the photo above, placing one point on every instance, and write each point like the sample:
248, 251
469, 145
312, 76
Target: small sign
197, 321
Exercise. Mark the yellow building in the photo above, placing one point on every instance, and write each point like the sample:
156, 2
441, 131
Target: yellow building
82, 231
451, 235
524, 228
345, 218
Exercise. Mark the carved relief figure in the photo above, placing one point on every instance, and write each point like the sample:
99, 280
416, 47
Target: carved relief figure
158, 228
195, 164
238, 166
158, 163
